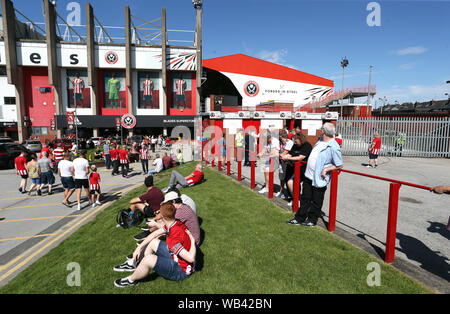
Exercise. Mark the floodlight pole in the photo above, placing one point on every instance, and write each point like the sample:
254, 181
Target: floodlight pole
368, 91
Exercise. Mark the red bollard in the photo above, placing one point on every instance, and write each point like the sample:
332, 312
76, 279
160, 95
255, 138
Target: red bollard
207, 157
228, 168
296, 191
252, 171
333, 200
392, 222
239, 170
203, 148
219, 165
213, 161
271, 169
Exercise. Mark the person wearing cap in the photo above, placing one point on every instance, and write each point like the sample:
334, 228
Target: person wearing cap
172, 259
149, 202
184, 213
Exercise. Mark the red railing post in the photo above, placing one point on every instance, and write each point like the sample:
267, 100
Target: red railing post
219, 164
213, 161
203, 148
207, 156
228, 168
333, 200
392, 222
252, 171
296, 192
271, 170
239, 170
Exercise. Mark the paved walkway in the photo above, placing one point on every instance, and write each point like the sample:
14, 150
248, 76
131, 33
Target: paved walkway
422, 237
31, 225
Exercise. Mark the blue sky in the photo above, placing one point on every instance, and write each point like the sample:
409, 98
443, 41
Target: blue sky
409, 51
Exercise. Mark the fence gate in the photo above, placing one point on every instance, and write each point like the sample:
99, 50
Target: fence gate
408, 137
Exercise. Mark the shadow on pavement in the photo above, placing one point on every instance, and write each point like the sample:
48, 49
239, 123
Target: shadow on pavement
437, 227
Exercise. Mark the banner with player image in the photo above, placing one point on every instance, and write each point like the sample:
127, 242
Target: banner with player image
115, 89
148, 90
181, 90
78, 92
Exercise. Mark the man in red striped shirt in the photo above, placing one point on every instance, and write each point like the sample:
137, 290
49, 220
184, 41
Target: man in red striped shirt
58, 155
148, 91
181, 87
20, 163
124, 161
78, 87
374, 151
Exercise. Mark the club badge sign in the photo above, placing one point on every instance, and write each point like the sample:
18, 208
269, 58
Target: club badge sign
128, 121
111, 57
251, 88
70, 119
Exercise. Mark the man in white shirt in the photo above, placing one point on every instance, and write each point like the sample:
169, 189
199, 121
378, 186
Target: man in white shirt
74, 149
286, 146
81, 172
65, 168
272, 150
159, 166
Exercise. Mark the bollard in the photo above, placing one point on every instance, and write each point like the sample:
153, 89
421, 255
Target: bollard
333, 200
394, 189
207, 157
219, 164
239, 170
271, 170
213, 161
252, 171
296, 191
228, 168
203, 148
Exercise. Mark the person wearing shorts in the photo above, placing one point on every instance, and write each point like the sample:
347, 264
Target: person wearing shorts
81, 171
94, 186
46, 168
173, 259
374, 151
65, 171
34, 175
20, 162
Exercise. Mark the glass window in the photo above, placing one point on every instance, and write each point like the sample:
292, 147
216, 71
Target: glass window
148, 90
39, 130
115, 89
10, 100
181, 90
78, 92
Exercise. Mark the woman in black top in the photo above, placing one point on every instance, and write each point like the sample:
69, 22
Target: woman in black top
299, 152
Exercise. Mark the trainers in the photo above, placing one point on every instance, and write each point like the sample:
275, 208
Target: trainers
39, 192
368, 166
125, 267
124, 282
165, 190
308, 223
94, 205
98, 203
293, 222
278, 194
141, 236
79, 206
145, 228
263, 190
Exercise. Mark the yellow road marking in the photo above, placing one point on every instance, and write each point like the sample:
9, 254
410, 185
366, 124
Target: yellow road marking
39, 218
30, 237
15, 198
28, 206
56, 238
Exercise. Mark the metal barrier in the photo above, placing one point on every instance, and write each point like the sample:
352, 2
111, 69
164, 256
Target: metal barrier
394, 189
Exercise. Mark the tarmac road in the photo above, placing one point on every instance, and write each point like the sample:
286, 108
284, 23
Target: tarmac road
422, 237
31, 225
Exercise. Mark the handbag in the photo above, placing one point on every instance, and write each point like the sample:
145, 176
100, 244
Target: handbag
128, 219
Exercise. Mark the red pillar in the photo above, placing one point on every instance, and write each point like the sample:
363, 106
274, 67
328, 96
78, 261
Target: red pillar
239, 170
252, 170
219, 164
203, 148
271, 169
333, 200
296, 191
392, 222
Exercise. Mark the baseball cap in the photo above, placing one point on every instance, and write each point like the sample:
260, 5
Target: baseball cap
170, 197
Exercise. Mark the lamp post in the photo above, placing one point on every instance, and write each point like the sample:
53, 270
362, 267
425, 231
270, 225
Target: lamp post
344, 64
368, 90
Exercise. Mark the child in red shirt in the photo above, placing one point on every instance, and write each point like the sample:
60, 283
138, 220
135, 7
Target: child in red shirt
94, 186
20, 163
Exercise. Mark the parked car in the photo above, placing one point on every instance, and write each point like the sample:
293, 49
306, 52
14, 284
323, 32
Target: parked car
8, 152
97, 140
32, 145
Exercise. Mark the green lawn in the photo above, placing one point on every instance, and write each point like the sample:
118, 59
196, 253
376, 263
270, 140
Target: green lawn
247, 248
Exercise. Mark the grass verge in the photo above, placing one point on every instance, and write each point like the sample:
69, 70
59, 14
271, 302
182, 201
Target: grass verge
247, 248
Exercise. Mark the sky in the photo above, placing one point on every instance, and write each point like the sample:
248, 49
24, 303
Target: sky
408, 46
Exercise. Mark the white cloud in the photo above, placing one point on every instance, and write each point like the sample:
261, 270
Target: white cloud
275, 56
415, 50
406, 66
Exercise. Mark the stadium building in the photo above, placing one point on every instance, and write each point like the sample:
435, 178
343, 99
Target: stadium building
51, 72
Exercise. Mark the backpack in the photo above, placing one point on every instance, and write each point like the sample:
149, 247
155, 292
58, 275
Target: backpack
126, 219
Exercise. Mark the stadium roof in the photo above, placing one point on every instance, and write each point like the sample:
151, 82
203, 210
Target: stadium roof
246, 65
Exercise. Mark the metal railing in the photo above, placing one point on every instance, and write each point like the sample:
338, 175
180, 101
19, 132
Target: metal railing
407, 137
